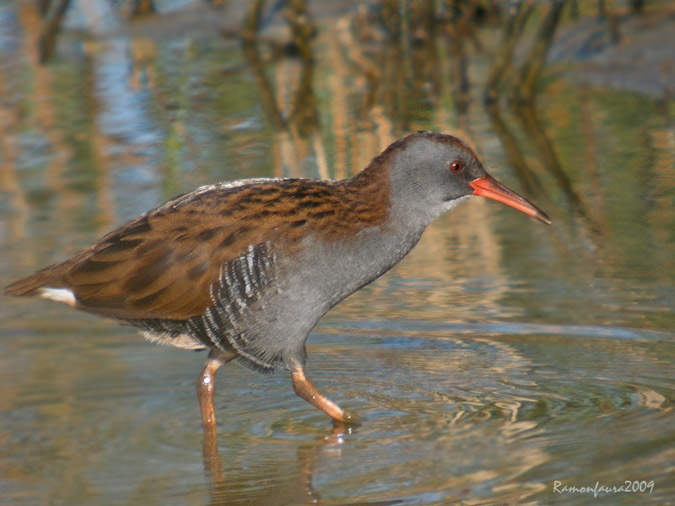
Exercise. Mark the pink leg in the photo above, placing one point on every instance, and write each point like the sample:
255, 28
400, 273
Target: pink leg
305, 389
206, 386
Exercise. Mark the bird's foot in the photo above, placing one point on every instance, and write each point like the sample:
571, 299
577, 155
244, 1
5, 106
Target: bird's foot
348, 418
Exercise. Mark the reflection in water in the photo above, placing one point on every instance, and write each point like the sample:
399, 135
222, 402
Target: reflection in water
501, 416
494, 360
291, 485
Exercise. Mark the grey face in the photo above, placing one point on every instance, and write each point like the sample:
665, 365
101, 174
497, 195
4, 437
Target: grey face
431, 174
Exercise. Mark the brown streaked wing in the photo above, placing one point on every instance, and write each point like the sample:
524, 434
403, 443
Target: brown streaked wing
162, 265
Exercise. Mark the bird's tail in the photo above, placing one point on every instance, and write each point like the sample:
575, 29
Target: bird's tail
30, 286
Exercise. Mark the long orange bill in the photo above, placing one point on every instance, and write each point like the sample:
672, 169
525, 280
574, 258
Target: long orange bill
490, 188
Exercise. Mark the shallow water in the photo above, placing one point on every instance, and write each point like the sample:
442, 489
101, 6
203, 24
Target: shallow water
499, 358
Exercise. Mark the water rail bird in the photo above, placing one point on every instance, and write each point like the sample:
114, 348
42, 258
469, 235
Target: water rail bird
245, 269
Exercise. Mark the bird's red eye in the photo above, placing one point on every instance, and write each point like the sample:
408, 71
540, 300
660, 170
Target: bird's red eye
456, 167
